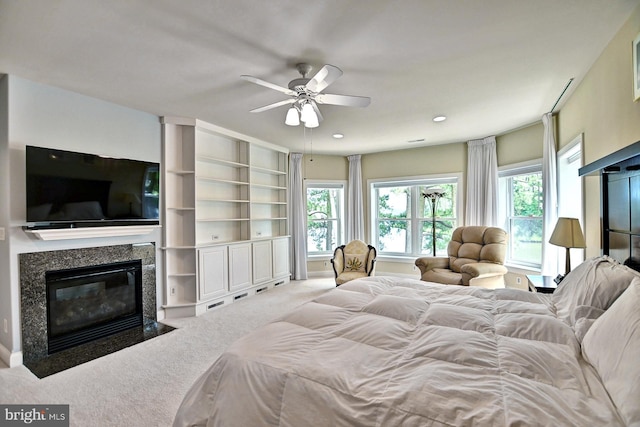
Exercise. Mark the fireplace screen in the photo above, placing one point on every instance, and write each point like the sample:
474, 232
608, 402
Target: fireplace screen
87, 303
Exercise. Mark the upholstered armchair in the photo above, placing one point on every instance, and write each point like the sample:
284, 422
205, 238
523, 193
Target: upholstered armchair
476, 258
354, 260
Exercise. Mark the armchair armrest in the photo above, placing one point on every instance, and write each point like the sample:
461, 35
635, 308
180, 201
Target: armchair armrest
337, 262
372, 267
483, 269
481, 273
371, 261
429, 263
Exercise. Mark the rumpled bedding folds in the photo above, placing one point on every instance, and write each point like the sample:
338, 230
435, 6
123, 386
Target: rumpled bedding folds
388, 351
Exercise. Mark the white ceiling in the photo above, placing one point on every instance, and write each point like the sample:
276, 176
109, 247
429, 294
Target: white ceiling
490, 66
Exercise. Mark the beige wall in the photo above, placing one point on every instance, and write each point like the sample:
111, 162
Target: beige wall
419, 161
602, 108
520, 145
325, 167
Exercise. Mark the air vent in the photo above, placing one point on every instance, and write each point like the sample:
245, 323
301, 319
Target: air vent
415, 141
217, 304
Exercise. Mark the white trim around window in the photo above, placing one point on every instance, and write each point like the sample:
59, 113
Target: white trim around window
338, 219
423, 180
505, 204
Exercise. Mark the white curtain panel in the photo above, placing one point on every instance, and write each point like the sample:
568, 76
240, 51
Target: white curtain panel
482, 183
297, 219
355, 208
550, 196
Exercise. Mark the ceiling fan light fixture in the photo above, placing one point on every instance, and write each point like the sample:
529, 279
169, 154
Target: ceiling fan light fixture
305, 93
307, 113
312, 121
292, 118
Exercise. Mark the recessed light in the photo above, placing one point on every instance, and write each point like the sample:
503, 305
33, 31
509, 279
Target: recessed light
440, 118
338, 135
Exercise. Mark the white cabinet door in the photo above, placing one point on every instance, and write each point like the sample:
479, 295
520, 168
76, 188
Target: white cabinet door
239, 266
214, 272
280, 257
262, 264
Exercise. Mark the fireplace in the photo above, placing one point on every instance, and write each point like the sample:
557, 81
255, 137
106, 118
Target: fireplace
35, 267
87, 303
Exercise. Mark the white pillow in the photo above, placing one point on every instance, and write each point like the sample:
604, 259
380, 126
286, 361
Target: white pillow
582, 318
612, 347
597, 282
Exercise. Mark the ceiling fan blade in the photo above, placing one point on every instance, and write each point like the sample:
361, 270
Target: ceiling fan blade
269, 85
317, 110
323, 78
344, 100
274, 105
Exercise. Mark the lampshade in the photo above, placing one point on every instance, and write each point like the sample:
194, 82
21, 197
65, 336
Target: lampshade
433, 192
292, 117
307, 113
312, 121
567, 233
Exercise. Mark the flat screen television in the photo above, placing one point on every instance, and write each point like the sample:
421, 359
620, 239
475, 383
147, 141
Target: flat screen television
66, 189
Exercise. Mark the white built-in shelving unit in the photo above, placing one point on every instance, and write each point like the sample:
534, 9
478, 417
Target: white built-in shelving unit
225, 216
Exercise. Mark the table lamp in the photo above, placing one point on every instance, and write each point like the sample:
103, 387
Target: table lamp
567, 234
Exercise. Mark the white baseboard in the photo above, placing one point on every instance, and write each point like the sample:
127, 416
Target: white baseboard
10, 359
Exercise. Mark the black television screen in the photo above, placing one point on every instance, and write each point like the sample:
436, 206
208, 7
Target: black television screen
65, 188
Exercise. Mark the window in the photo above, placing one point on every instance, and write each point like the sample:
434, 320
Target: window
325, 210
402, 218
570, 192
521, 212
151, 193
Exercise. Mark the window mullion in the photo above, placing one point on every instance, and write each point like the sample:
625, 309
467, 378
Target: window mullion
416, 230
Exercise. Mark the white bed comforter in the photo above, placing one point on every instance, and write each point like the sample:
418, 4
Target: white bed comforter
385, 351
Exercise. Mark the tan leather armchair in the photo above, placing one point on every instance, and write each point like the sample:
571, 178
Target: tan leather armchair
354, 260
476, 258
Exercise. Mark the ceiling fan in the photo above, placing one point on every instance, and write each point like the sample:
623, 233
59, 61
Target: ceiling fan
306, 93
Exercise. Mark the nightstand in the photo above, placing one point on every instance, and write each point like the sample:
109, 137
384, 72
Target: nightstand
543, 284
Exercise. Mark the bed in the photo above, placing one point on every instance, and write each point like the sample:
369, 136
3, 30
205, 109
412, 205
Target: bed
385, 351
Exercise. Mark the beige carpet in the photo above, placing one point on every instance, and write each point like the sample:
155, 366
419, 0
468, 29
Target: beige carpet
143, 385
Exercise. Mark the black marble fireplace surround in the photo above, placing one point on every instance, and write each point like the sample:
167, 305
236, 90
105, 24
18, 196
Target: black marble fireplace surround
33, 300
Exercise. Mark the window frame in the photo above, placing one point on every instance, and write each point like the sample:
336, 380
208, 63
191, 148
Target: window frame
341, 226
415, 219
505, 205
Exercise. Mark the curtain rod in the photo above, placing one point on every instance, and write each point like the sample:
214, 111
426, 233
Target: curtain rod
563, 91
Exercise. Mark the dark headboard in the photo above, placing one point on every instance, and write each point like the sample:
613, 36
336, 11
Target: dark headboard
619, 202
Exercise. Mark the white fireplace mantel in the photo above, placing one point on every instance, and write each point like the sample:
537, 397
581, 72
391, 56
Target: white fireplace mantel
90, 232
